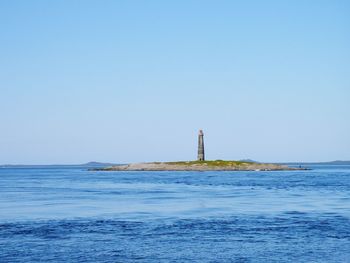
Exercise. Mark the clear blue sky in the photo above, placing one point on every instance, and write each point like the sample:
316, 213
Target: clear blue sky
127, 81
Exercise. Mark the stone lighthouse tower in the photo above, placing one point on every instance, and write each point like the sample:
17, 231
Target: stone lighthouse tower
200, 146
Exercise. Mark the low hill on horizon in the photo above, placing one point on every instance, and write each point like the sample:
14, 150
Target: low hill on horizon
88, 164
338, 162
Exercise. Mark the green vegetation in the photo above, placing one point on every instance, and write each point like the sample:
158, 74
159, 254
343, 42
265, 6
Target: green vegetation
211, 163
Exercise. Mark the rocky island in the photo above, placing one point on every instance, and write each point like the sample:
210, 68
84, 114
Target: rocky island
200, 165
217, 165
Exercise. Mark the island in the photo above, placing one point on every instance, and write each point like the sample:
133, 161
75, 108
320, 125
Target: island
217, 165
201, 164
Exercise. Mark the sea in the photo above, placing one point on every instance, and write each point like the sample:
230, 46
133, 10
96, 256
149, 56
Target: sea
71, 214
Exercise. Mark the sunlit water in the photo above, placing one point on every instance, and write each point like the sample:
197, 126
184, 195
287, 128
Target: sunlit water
74, 215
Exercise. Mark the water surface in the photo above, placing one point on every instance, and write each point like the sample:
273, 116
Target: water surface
73, 215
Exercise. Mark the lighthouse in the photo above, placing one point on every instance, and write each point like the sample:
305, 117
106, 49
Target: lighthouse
200, 146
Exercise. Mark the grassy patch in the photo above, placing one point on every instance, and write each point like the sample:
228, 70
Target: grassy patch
210, 163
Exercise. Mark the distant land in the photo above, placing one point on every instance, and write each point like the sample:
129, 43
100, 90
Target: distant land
84, 165
317, 163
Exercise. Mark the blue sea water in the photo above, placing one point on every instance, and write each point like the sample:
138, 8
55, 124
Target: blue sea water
62, 214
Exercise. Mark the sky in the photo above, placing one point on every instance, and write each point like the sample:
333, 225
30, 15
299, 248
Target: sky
133, 81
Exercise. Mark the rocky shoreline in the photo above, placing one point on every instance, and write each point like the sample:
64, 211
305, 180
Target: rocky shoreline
200, 166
